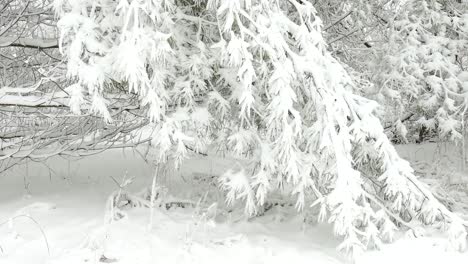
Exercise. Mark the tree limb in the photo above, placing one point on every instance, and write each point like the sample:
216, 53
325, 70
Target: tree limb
28, 43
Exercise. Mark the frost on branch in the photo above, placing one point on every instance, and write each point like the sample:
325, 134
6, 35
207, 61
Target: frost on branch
253, 77
421, 70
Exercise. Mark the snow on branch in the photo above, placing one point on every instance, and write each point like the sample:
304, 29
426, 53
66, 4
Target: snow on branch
32, 43
253, 78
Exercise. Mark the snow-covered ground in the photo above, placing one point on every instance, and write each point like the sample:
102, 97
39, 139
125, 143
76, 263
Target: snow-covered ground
62, 209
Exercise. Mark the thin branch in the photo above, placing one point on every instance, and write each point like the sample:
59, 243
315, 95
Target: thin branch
14, 21
338, 21
35, 222
31, 43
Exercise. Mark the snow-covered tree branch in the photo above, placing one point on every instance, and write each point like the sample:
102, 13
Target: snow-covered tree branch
254, 77
29, 43
307, 97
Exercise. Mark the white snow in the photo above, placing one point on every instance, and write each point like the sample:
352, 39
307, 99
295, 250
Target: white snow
70, 208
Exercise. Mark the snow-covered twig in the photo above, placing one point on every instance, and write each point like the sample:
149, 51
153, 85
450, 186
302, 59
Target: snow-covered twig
36, 223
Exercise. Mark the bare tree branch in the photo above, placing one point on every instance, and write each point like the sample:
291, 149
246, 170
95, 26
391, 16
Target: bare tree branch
14, 21
29, 43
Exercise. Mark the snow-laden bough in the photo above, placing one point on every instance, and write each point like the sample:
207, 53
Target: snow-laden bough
252, 77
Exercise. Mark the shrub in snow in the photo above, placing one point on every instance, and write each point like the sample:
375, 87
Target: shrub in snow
253, 77
424, 64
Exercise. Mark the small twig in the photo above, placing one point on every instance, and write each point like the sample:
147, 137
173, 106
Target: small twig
196, 151
402, 121
389, 212
337, 21
37, 224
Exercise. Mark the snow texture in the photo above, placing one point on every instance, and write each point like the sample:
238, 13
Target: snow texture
69, 206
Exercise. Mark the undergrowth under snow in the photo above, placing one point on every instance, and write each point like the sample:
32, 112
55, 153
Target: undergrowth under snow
71, 209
